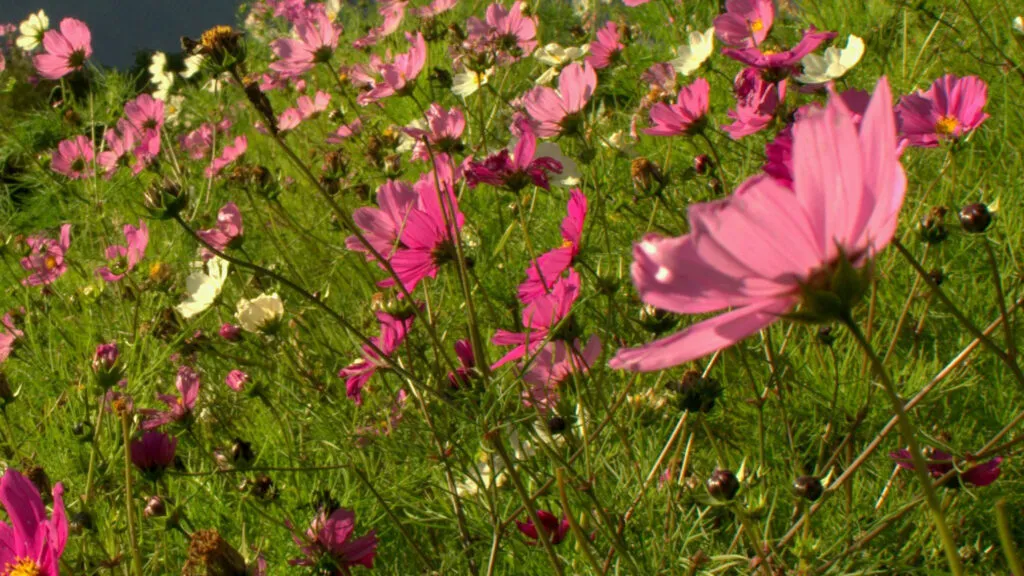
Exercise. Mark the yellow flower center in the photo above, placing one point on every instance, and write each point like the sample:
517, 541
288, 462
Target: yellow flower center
23, 567
946, 125
756, 25
211, 38
567, 244
50, 262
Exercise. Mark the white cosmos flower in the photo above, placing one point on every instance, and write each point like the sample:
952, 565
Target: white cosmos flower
1018, 24
162, 78
261, 314
192, 65
690, 57
333, 8
467, 83
835, 62
556, 57
620, 141
32, 30
203, 286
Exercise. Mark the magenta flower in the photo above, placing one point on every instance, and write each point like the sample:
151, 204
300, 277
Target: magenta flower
230, 153
153, 453
317, 40
506, 32
66, 50
552, 366
780, 61
940, 463
540, 318
950, 108
122, 259
105, 357
46, 261
687, 116
464, 373
236, 380
606, 49
31, 544
756, 102
555, 529
178, 407
517, 170
555, 112
397, 77
74, 158
230, 332
393, 331
333, 536
745, 23
548, 268
383, 226
227, 233
442, 130
755, 252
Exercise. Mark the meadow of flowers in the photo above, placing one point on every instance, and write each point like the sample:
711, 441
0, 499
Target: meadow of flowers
550, 287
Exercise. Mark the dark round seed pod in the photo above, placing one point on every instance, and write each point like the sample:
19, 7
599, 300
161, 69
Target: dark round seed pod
556, 425
723, 484
808, 488
975, 218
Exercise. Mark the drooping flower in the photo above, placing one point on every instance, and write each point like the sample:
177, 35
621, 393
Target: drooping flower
556, 57
555, 112
756, 101
236, 380
606, 48
332, 535
31, 545
46, 261
542, 274
203, 286
517, 169
383, 226
951, 108
227, 233
74, 158
261, 314
540, 319
153, 453
553, 365
230, 153
691, 57
834, 64
32, 30
745, 23
506, 31
397, 76
66, 50
757, 251
556, 529
780, 62
441, 130
393, 331
178, 407
317, 39
686, 116
940, 463
123, 259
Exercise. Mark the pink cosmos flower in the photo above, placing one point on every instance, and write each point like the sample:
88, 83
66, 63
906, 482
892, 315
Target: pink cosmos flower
178, 407
74, 158
383, 226
463, 374
306, 108
8, 334
540, 318
333, 536
153, 452
549, 267
950, 108
393, 12
555, 529
345, 131
46, 261
145, 113
941, 463
686, 116
105, 356
198, 142
124, 258
393, 331
746, 23
121, 145
31, 544
443, 130
555, 112
227, 233
754, 252
435, 8
236, 380
507, 32
316, 43
780, 61
552, 366
397, 76
230, 153
660, 78
66, 50
635, 3
606, 49
230, 332
518, 169
756, 101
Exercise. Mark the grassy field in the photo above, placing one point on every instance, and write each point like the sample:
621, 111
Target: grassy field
442, 467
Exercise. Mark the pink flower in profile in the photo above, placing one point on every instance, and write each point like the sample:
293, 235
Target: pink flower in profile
9, 333
555, 529
552, 366
74, 158
518, 169
435, 8
606, 49
745, 23
332, 535
393, 331
383, 226
345, 131
756, 101
754, 252
508, 32
153, 453
123, 259
31, 544
549, 267
236, 380
555, 112
941, 463
230, 153
178, 407
393, 12
660, 78
198, 142
397, 77
46, 261
305, 109
317, 40
121, 145
687, 116
442, 130
949, 109
227, 233
463, 374
783, 61
66, 50
540, 318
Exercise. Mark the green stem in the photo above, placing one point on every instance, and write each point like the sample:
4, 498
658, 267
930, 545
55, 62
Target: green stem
1006, 538
129, 501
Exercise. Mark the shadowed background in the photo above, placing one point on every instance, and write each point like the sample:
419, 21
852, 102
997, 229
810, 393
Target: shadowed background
122, 27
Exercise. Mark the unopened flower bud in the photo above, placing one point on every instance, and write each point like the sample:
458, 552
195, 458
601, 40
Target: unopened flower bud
723, 484
230, 332
936, 276
808, 487
556, 425
155, 507
696, 393
702, 164
241, 452
975, 218
932, 226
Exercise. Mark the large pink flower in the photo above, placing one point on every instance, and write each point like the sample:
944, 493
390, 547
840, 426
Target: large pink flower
557, 112
542, 274
31, 544
540, 318
122, 259
686, 116
780, 61
745, 23
950, 108
507, 32
65, 50
227, 232
383, 226
756, 101
74, 158
317, 40
754, 252
552, 366
397, 76
46, 261
606, 49
178, 407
